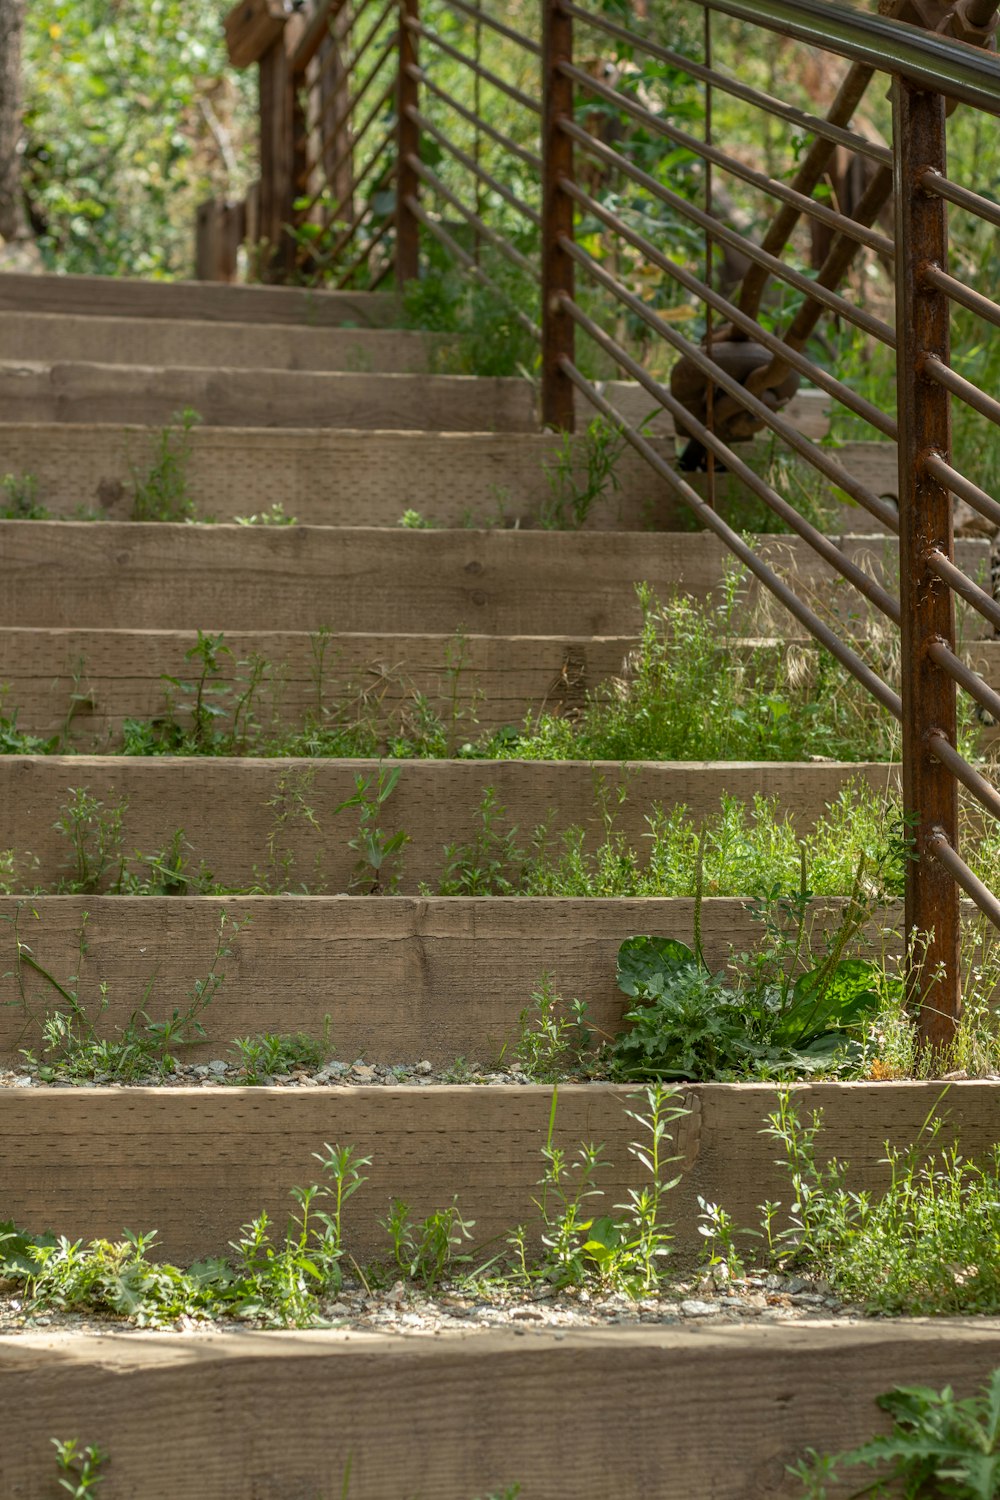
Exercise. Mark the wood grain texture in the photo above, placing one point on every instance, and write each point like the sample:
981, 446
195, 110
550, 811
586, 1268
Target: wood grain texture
106, 296
281, 1416
59, 337
365, 478
197, 1163
400, 979
228, 809
69, 392
120, 674
164, 577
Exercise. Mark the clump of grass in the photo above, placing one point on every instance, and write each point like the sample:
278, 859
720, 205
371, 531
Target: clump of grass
283, 1284
274, 1055
694, 689
20, 499
553, 1037
926, 1245
742, 850
73, 1047
160, 492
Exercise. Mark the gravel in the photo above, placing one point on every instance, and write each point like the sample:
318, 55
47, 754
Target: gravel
359, 1074
408, 1310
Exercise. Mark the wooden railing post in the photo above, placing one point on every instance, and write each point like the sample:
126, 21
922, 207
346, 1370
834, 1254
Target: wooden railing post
407, 145
930, 793
558, 328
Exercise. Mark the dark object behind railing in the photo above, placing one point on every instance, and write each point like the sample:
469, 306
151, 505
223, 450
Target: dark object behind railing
358, 142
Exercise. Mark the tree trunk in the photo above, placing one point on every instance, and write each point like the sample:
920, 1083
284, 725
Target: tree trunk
13, 224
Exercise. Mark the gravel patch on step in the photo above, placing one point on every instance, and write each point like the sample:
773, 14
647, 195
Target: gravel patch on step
754, 1299
223, 1073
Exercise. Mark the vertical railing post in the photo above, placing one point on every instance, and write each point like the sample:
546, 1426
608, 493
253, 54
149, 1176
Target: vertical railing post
407, 145
930, 793
558, 328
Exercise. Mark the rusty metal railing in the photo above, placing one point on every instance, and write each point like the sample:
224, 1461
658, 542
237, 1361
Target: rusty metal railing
541, 140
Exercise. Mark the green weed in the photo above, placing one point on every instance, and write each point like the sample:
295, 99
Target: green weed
20, 499
938, 1446
273, 1055
160, 492
430, 1250
72, 1047
553, 1038
274, 515
573, 493
79, 1468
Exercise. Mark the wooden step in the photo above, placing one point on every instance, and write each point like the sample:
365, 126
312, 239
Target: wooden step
165, 577
100, 677
372, 1416
341, 478
82, 684
400, 979
58, 337
111, 297
228, 808
197, 1163
263, 398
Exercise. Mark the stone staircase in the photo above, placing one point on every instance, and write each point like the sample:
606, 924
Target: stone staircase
315, 402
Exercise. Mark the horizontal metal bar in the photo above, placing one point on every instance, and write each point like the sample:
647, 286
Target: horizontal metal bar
952, 480
795, 358
530, 158
935, 369
933, 181
867, 322
943, 750
471, 165
490, 235
812, 124
975, 302
959, 671
880, 243
879, 690
518, 96
508, 31
450, 243
935, 63
939, 845
868, 587
953, 576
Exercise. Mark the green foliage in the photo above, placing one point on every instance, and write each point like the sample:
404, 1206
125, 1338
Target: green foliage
428, 1251
620, 1251
553, 1039
132, 118
279, 1284
20, 499
161, 491
273, 1055
693, 690
73, 1048
274, 515
378, 852
481, 333
938, 1447
574, 494
927, 1245
79, 1468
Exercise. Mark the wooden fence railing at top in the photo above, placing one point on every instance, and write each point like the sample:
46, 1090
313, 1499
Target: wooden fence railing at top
358, 141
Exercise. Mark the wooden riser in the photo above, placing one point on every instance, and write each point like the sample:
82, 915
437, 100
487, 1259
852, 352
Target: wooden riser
197, 1163
399, 979
228, 809
366, 479
56, 338
161, 577
119, 674
382, 1417
265, 398
110, 297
